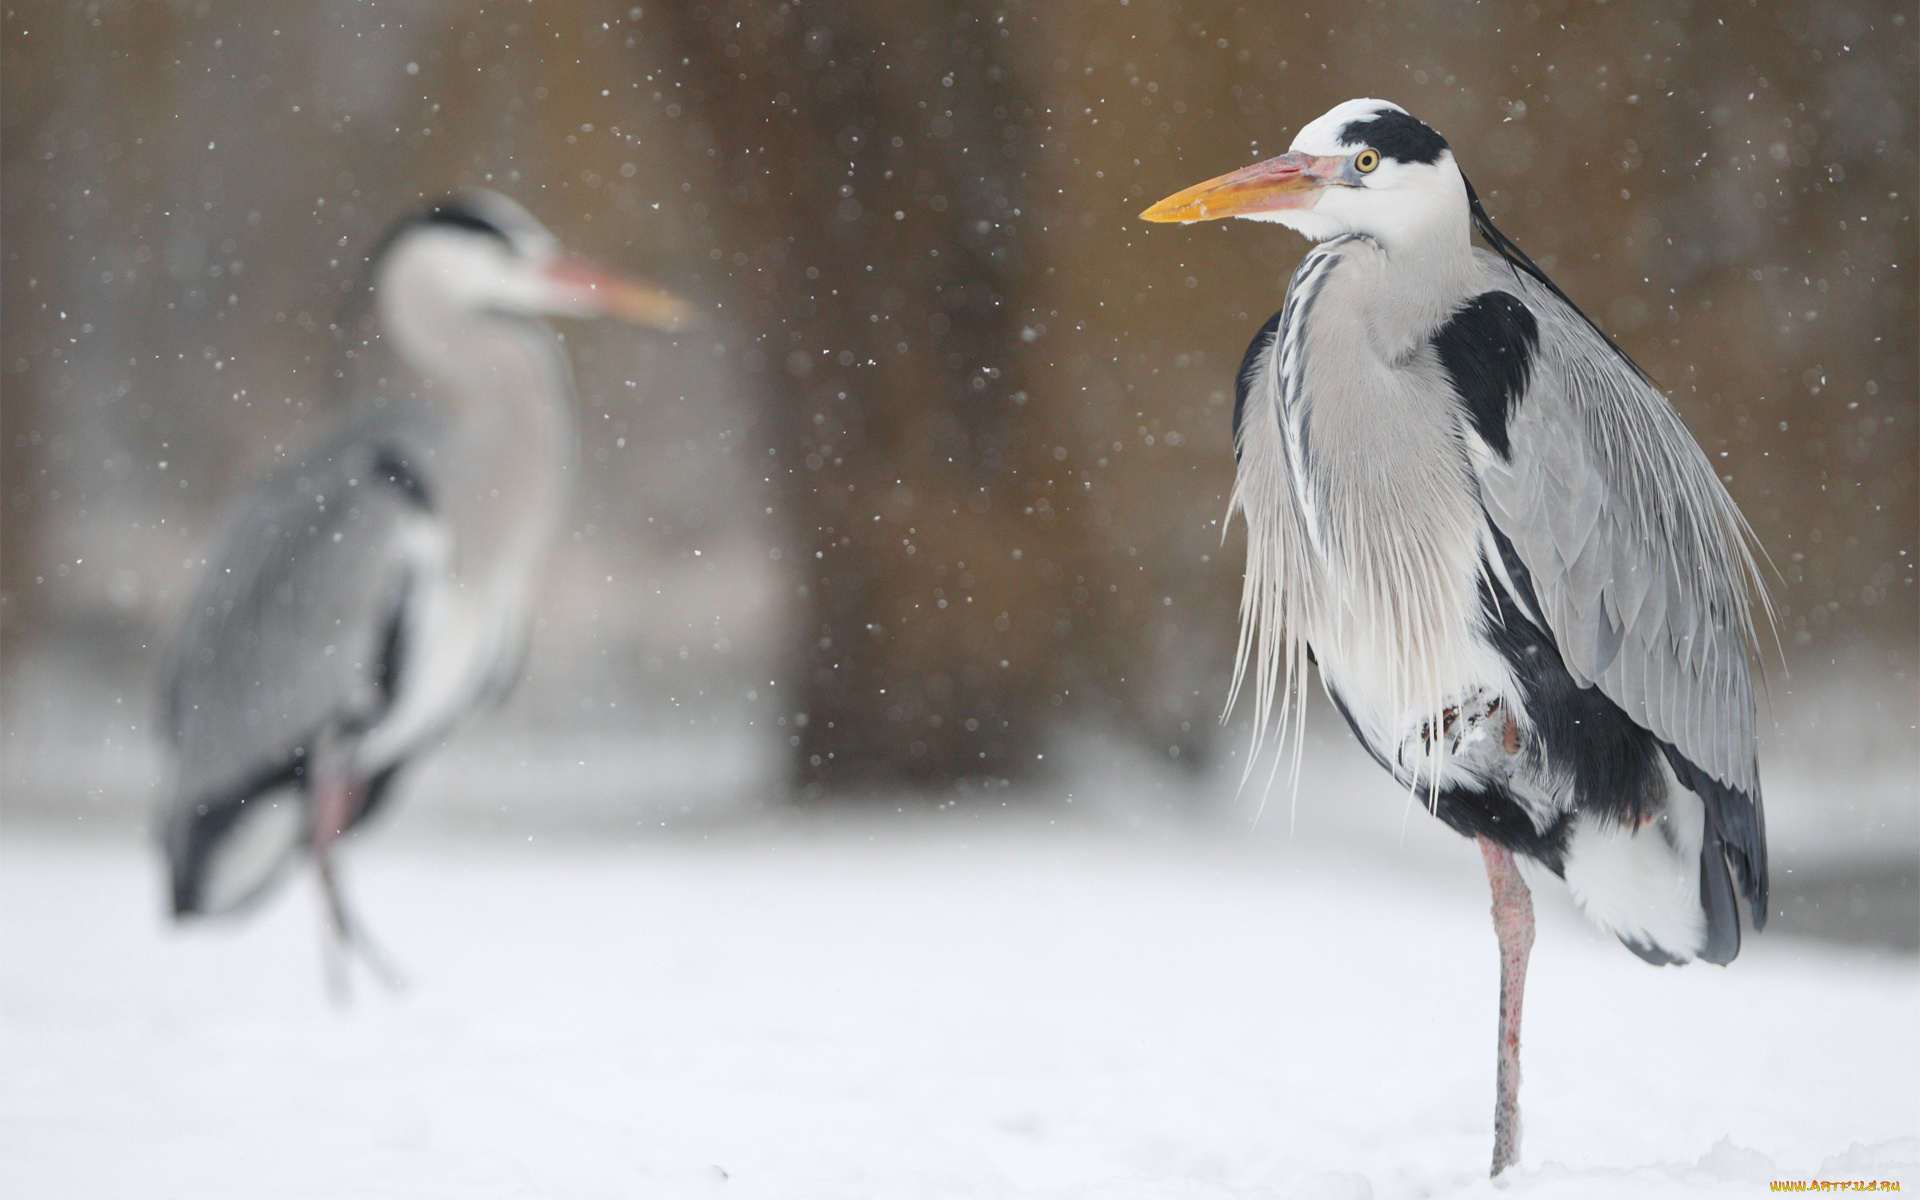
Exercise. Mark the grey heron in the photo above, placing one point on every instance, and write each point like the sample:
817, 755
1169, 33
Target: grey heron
1521, 581
368, 593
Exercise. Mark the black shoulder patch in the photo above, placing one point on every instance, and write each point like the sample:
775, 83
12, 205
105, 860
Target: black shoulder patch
392, 467
1487, 349
1397, 136
1243, 382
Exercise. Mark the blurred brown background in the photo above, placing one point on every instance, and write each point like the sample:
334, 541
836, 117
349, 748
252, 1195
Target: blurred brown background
946, 473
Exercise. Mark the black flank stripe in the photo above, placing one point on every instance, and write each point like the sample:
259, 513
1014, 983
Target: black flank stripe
1615, 764
393, 650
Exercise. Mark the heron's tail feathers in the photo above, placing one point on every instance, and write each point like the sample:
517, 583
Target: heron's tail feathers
1665, 886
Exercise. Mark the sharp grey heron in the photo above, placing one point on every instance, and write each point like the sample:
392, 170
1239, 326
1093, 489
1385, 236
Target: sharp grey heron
368, 594
1523, 585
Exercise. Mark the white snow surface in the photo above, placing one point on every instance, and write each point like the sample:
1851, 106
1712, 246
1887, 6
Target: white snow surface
974, 1002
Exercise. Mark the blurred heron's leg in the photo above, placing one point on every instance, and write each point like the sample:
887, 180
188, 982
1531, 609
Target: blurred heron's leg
1513, 925
337, 800
333, 951
350, 936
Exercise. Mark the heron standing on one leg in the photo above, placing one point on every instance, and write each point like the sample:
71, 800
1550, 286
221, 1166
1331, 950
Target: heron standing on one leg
1524, 586
367, 595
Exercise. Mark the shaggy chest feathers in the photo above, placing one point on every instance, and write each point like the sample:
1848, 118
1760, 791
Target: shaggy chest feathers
1396, 536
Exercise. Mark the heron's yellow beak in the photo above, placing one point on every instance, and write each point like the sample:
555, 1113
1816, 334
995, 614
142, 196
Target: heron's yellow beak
595, 291
1290, 181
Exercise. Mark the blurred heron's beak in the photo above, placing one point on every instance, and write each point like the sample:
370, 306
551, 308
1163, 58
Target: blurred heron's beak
592, 291
1290, 181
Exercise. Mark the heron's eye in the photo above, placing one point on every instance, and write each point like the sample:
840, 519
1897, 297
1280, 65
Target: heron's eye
1366, 161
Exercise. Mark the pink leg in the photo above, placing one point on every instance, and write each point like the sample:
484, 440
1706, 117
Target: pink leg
1513, 925
336, 802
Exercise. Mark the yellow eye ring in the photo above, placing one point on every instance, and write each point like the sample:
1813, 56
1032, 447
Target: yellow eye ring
1366, 161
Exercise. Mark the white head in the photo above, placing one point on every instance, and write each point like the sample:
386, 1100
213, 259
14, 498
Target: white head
479, 253
1365, 167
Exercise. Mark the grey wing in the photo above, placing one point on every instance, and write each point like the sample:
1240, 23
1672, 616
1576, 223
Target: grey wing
297, 623
1637, 554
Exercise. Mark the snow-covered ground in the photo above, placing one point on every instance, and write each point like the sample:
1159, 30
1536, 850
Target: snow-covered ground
637, 971
972, 1002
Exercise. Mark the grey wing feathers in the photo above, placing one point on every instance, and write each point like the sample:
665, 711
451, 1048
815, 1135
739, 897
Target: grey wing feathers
1637, 553
291, 627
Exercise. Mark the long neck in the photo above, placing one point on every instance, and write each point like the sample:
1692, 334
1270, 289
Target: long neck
1423, 267
1420, 278
502, 468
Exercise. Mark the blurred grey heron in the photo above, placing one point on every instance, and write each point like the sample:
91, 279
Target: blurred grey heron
1523, 584
367, 595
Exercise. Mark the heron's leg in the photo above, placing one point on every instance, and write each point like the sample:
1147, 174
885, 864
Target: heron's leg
336, 802
1513, 925
333, 942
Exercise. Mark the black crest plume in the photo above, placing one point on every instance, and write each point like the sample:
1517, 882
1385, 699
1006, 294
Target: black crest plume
1517, 259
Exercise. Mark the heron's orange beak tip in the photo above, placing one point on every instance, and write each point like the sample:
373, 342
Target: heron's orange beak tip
606, 293
1290, 181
